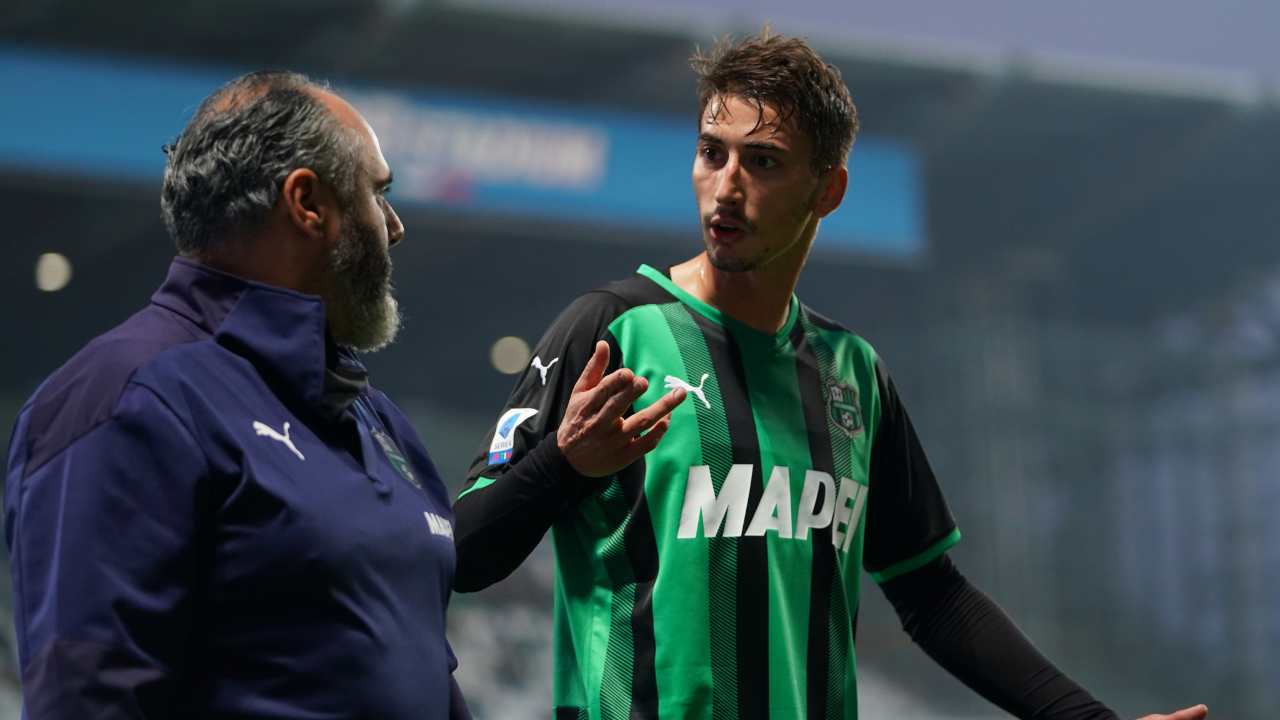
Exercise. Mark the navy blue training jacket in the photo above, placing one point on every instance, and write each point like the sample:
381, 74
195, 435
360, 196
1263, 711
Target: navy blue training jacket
195, 534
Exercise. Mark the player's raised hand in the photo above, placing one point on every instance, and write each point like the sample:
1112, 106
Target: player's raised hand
593, 435
1192, 713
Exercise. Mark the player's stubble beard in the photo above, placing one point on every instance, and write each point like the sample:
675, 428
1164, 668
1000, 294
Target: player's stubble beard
363, 313
766, 254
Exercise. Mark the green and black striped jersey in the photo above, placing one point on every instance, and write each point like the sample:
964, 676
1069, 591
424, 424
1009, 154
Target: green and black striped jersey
719, 576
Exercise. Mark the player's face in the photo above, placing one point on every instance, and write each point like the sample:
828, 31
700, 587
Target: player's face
363, 312
755, 188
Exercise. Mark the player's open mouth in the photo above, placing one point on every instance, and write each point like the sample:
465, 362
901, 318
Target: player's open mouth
726, 231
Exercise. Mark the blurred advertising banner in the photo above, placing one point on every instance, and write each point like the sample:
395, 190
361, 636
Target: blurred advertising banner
503, 158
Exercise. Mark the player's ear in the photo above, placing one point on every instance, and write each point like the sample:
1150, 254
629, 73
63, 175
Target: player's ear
831, 187
309, 203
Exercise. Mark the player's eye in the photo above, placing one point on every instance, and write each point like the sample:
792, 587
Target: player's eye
710, 153
764, 162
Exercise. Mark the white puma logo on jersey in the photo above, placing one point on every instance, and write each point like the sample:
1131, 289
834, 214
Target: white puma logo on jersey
542, 369
671, 382
265, 430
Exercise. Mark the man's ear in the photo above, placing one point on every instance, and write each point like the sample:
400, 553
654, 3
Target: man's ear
308, 203
832, 185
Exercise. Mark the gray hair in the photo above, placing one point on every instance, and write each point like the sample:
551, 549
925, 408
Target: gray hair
225, 171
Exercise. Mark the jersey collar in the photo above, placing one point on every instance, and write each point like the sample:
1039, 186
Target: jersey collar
740, 329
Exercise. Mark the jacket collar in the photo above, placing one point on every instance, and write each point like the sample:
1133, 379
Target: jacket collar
282, 332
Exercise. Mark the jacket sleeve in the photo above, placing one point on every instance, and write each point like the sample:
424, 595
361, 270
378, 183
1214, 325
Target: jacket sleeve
519, 483
103, 539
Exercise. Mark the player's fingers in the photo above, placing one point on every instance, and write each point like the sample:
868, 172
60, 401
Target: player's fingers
620, 400
662, 407
595, 398
594, 369
643, 444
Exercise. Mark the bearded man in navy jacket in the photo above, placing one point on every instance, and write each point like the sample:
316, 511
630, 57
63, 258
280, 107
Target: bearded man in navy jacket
211, 513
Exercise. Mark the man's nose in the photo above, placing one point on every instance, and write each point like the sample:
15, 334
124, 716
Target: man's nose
729, 183
395, 228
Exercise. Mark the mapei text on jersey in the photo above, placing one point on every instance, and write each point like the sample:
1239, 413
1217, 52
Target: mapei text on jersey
727, 510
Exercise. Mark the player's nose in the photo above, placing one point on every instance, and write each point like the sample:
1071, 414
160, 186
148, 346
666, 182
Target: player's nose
729, 183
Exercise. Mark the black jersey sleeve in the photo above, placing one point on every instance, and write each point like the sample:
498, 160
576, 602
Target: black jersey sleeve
968, 634
908, 521
519, 483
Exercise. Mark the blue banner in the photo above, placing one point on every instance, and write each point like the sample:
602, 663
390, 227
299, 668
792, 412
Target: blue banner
107, 118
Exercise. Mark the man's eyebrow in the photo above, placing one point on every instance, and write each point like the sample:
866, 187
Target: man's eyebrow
768, 146
764, 145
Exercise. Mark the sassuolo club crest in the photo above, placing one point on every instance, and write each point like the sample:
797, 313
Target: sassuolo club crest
843, 408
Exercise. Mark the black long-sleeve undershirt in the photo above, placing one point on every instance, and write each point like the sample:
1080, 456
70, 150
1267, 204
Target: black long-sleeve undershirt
527, 501
966, 633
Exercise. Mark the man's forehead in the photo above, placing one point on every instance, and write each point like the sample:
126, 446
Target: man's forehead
349, 117
342, 111
762, 117
379, 168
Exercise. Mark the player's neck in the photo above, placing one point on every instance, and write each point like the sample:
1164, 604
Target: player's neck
757, 298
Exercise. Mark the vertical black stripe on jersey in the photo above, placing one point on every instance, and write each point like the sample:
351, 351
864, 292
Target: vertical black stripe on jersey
642, 550
823, 564
753, 568
571, 713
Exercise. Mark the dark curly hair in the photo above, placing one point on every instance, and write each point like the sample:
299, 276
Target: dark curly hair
788, 75
225, 171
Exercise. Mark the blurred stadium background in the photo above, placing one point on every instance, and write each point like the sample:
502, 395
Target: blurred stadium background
1058, 235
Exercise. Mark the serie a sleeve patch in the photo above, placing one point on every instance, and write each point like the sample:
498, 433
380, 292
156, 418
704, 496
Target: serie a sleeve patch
504, 434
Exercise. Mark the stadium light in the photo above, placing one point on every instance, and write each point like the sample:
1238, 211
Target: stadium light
509, 355
53, 272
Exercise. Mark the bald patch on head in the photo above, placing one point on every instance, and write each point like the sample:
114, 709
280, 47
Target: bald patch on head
245, 91
236, 97
342, 111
